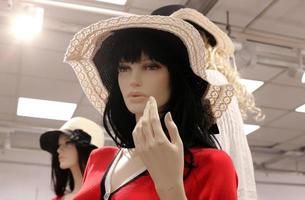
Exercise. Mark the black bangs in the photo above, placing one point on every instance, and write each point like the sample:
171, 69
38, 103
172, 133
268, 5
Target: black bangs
128, 45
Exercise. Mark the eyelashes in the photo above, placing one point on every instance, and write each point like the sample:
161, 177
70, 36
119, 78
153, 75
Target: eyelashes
152, 66
146, 66
65, 144
123, 68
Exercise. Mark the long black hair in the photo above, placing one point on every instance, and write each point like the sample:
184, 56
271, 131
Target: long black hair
190, 114
62, 179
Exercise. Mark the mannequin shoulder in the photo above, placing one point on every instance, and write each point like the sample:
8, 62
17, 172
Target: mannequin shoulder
212, 157
104, 152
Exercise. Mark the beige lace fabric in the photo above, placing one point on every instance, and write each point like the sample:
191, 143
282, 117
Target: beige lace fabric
220, 97
223, 42
233, 140
87, 41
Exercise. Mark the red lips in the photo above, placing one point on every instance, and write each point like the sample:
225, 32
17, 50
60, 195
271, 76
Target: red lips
136, 94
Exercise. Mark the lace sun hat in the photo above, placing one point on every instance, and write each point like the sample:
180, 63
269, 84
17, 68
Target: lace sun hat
214, 33
80, 130
84, 45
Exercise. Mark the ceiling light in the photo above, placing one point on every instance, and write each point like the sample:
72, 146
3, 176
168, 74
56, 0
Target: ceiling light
81, 7
251, 85
45, 109
118, 2
28, 22
300, 109
249, 128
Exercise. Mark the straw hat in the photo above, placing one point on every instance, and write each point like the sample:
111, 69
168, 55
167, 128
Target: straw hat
80, 130
223, 42
87, 42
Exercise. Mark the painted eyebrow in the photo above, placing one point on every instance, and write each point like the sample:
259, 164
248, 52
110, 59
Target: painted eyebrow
124, 64
146, 60
65, 142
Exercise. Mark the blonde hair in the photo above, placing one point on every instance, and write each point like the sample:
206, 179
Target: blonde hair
216, 59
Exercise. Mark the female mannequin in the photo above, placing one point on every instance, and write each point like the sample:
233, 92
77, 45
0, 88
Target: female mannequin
145, 75
70, 147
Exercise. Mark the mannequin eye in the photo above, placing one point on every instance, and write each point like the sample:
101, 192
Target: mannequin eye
152, 66
65, 144
123, 68
69, 142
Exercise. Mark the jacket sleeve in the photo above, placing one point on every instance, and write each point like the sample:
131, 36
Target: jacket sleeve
215, 178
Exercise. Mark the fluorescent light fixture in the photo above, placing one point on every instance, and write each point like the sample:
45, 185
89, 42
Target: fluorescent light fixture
45, 109
81, 7
118, 2
303, 77
300, 109
28, 22
251, 85
249, 128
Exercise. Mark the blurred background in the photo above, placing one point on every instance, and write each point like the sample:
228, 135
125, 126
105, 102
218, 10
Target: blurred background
269, 36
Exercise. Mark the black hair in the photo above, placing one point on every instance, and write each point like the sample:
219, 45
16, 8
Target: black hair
62, 179
207, 36
170, 9
187, 89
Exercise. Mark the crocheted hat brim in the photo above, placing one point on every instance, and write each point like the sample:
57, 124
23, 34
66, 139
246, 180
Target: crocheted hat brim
87, 41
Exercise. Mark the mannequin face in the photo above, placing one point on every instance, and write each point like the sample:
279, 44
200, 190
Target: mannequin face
67, 153
139, 80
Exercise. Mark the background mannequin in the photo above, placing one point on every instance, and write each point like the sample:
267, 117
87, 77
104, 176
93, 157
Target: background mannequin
70, 147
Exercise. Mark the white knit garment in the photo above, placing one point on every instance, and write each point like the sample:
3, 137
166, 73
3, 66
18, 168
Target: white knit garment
233, 140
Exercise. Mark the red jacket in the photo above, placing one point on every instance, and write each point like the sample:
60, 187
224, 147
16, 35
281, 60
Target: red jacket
213, 178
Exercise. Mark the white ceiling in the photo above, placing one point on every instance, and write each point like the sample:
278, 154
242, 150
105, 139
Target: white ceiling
274, 28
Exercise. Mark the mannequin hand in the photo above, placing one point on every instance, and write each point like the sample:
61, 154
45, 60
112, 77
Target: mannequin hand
163, 158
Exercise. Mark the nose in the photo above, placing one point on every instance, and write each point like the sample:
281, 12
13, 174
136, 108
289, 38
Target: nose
59, 149
136, 78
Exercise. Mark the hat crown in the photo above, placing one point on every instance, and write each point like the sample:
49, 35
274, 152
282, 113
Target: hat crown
94, 130
223, 42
